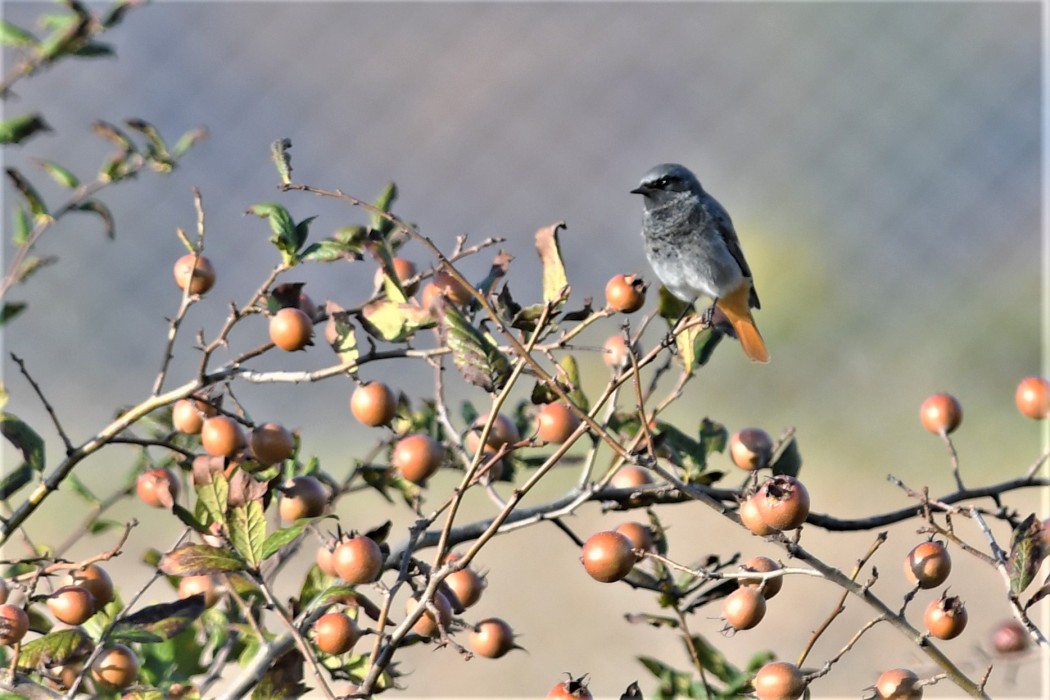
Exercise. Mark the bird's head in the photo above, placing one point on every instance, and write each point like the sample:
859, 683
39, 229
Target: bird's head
668, 181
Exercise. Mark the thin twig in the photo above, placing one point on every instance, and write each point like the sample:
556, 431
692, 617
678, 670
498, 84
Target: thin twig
43, 399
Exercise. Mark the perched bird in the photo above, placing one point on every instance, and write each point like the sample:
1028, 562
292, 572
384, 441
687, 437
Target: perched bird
694, 250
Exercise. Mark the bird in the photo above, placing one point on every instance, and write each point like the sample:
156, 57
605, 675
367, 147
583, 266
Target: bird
694, 250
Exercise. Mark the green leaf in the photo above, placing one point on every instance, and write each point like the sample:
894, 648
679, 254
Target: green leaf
187, 141
282, 159
1027, 551
70, 31
392, 321
302, 232
32, 264
10, 310
247, 525
281, 537
100, 526
115, 14
714, 661
789, 460
161, 621
59, 174
197, 559
571, 373
189, 519
329, 250
36, 205
114, 135
282, 226
212, 500
10, 35
94, 206
24, 439
14, 480
705, 345
156, 149
79, 488
56, 648
20, 227
18, 129
555, 281
475, 354
314, 584
384, 203
94, 49
670, 307
713, 436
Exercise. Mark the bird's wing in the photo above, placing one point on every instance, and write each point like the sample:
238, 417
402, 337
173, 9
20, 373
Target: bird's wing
724, 225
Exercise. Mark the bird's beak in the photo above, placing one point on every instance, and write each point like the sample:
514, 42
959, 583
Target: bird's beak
641, 189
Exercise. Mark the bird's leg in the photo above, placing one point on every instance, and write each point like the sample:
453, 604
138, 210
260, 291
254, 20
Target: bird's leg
669, 341
709, 314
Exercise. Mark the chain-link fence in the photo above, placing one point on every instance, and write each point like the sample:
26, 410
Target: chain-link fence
881, 162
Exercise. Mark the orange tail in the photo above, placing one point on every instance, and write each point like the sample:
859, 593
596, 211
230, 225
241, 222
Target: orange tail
736, 308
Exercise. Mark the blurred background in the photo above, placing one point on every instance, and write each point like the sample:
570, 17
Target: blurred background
881, 162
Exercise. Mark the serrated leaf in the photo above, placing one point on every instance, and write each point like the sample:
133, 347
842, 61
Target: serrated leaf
197, 559
33, 200
789, 460
282, 159
384, 203
56, 648
94, 206
555, 280
1027, 551
59, 174
161, 621
281, 537
11, 35
474, 354
24, 439
18, 129
213, 498
247, 524
393, 322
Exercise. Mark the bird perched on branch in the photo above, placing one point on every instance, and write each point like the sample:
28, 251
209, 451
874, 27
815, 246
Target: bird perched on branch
694, 250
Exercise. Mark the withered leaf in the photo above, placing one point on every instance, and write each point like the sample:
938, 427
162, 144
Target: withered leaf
554, 278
